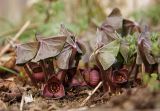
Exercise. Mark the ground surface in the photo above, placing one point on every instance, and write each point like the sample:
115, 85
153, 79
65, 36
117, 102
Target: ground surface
139, 98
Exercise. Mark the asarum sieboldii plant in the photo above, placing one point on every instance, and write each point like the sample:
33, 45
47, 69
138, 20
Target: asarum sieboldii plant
25, 53
52, 63
112, 50
105, 57
70, 55
38, 57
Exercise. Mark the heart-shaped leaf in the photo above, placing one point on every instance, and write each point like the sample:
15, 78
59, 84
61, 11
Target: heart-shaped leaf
26, 52
49, 47
65, 31
124, 50
70, 36
68, 58
107, 54
64, 57
105, 34
114, 19
144, 47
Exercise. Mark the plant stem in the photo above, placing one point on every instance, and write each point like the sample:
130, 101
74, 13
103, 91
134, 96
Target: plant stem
133, 71
44, 68
50, 67
29, 73
103, 75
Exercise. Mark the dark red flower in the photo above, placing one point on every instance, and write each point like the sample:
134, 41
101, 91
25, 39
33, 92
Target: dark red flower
54, 88
119, 76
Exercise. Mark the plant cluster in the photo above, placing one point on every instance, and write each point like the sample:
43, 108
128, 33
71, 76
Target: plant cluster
123, 48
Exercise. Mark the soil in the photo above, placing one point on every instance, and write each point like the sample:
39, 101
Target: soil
132, 99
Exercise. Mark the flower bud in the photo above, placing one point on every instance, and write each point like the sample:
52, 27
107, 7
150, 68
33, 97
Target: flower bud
38, 74
91, 76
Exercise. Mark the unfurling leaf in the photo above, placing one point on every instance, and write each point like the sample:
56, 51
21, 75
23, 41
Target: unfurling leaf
114, 19
49, 47
107, 54
129, 27
26, 52
106, 32
144, 47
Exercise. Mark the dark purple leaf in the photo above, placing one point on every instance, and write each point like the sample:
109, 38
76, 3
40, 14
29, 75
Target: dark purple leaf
49, 47
65, 31
63, 58
70, 36
114, 19
144, 48
69, 56
26, 52
130, 27
106, 32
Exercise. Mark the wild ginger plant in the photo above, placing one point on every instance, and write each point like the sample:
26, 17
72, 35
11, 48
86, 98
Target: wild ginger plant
121, 49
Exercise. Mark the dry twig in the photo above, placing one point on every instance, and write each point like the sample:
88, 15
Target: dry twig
15, 38
96, 88
22, 103
13, 31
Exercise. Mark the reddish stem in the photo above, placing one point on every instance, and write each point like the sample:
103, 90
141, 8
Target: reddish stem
62, 76
103, 75
30, 73
133, 71
44, 68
